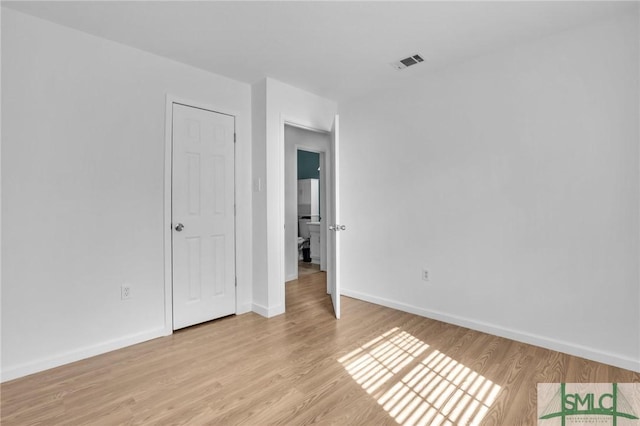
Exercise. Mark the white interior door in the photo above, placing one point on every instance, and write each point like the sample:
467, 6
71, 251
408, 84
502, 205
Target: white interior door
203, 222
334, 229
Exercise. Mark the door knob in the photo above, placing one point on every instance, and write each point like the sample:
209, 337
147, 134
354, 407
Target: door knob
179, 227
337, 227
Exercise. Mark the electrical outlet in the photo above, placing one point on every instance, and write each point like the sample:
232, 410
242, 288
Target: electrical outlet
125, 291
425, 275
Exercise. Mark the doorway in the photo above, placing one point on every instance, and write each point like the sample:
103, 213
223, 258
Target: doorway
311, 185
202, 214
330, 165
305, 201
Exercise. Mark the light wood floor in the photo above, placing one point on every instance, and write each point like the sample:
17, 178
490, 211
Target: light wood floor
306, 268
375, 366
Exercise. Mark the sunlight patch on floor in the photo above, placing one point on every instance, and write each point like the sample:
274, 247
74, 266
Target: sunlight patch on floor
436, 390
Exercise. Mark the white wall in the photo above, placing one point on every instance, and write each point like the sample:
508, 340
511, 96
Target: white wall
0, 201
282, 103
514, 178
295, 138
82, 186
259, 203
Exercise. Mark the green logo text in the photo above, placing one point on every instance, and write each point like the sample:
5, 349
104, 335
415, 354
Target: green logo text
613, 404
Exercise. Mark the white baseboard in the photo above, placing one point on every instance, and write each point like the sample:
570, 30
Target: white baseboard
21, 370
520, 336
291, 277
260, 310
267, 312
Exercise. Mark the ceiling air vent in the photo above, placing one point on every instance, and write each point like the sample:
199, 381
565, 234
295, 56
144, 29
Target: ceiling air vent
407, 62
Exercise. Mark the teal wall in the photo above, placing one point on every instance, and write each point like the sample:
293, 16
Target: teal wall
308, 164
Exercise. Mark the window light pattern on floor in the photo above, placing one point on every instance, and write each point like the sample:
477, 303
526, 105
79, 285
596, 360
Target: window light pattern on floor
433, 389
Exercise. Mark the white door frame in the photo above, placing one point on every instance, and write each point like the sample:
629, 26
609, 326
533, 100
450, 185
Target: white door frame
323, 196
168, 165
295, 122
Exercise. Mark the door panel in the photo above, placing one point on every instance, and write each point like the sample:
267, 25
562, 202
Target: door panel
333, 234
203, 202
